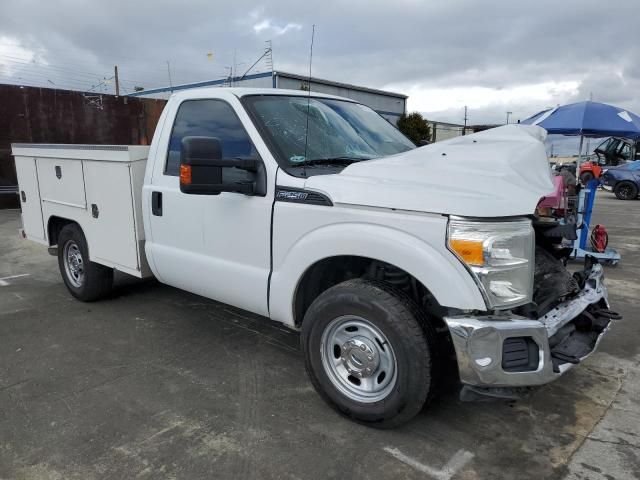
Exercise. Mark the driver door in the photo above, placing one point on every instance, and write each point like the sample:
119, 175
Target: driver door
217, 246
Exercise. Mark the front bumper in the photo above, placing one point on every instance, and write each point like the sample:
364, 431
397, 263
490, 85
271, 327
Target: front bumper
481, 351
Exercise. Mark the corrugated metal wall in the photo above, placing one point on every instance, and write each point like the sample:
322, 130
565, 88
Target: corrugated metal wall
44, 115
444, 131
390, 107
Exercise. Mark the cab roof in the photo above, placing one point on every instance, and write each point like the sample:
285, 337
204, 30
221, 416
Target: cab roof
221, 92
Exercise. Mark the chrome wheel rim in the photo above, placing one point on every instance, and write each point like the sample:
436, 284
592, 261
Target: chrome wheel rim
73, 263
358, 359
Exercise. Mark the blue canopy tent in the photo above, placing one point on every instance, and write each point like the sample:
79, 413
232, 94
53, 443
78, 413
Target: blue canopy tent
588, 119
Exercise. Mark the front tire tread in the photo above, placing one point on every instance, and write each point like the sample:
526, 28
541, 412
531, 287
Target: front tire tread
410, 327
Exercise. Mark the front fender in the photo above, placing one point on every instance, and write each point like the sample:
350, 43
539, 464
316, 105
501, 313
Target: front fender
436, 268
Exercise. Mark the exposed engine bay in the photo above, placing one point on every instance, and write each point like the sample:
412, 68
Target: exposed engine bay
572, 334
553, 282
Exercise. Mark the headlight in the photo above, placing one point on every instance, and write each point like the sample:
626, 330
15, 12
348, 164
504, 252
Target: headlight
500, 255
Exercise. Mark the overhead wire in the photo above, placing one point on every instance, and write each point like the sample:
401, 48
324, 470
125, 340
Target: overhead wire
68, 75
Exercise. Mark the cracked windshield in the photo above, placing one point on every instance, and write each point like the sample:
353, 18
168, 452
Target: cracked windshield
318, 131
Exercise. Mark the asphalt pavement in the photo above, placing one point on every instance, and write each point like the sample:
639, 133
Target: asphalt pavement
159, 383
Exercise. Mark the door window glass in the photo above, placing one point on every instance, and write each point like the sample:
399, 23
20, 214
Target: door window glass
208, 118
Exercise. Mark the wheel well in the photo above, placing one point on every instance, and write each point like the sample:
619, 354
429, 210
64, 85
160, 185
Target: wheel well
328, 272
55, 226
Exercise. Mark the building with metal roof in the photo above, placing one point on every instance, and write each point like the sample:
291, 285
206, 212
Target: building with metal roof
388, 104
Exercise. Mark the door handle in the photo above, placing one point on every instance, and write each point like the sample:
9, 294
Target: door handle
156, 203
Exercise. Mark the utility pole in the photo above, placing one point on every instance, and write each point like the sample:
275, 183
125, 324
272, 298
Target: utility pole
464, 129
117, 80
508, 114
169, 72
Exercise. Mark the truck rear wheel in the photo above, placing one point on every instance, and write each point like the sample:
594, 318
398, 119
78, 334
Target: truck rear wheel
85, 280
367, 352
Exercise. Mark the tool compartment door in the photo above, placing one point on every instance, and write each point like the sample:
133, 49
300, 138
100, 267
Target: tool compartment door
61, 182
110, 226
30, 198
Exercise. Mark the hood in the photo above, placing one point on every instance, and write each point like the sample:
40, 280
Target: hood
624, 166
499, 172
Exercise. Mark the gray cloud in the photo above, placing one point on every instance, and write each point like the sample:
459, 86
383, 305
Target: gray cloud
407, 45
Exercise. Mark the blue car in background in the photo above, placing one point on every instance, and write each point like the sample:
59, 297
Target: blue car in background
623, 179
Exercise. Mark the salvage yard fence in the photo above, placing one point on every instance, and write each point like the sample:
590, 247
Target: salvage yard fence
47, 115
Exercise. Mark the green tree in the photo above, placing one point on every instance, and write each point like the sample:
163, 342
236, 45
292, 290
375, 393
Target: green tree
415, 127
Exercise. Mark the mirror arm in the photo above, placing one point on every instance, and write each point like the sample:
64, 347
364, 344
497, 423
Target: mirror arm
243, 163
245, 188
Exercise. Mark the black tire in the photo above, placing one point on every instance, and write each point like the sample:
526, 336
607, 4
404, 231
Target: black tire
586, 177
96, 281
625, 190
411, 337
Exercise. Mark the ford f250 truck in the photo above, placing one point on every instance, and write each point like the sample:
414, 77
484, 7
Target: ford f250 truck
314, 211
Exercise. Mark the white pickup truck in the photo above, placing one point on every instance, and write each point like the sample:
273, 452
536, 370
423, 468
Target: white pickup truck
314, 211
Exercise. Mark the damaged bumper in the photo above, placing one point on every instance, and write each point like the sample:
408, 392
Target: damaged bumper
514, 351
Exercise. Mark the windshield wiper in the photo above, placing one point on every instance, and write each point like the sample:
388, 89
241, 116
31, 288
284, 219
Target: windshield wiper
333, 160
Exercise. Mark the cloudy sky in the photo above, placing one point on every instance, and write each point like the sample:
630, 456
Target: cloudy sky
493, 56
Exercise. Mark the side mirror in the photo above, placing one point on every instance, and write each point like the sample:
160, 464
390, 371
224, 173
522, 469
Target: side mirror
201, 168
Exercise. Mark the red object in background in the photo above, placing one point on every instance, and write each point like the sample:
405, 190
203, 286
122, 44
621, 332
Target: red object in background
599, 238
593, 167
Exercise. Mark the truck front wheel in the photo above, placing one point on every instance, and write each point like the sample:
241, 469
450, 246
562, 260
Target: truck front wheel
368, 353
85, 280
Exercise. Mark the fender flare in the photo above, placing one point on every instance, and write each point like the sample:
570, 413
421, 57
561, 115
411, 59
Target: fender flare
437, 269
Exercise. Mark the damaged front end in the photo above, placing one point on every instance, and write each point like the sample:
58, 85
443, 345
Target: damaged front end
535, 343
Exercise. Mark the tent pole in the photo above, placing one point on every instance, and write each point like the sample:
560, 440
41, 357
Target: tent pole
579, 157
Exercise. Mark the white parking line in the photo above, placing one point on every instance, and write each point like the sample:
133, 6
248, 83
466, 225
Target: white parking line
4, 282
455, 463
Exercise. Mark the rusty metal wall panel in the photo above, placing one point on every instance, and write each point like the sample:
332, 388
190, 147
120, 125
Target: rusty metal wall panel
46, 115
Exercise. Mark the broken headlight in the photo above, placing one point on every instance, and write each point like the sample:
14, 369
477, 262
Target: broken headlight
500, 256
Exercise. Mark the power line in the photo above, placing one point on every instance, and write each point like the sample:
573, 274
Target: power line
34, 78
39, 84
23, 66
34, 72
52, 70
48, 70
121, 61
157, 64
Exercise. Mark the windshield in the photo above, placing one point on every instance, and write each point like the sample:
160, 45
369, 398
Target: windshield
333, 134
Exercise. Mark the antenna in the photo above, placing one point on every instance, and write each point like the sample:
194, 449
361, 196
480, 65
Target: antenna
169, 73
266, 54
306, 132
270, 56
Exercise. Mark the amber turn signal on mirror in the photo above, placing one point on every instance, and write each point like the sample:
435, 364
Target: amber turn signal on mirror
185, 174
